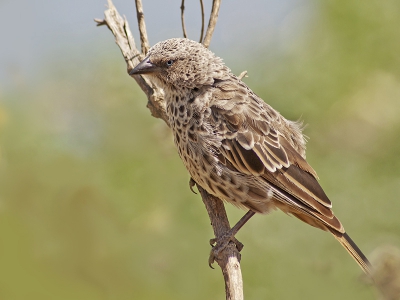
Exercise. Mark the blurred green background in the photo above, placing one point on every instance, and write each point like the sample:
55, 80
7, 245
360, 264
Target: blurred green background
95, 203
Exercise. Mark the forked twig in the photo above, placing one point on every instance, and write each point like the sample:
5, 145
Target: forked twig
126, 43
202, 21
142, 27
183, 18
212, 22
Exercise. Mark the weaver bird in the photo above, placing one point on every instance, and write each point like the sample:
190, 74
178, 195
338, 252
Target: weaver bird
234, 145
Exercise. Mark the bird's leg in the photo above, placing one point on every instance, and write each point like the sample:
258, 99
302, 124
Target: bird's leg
192, 183
223, 241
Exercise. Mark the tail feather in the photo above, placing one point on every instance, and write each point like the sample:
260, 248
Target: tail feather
354, 251
337, 230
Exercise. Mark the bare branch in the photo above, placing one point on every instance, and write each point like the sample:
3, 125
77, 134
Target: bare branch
202, 20
212, 23
125, 41
183, 18
229, 258
142, 27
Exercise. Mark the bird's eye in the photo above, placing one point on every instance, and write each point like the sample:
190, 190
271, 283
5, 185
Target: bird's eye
170, 62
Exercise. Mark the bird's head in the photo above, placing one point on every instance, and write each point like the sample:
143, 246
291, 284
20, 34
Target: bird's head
181, 63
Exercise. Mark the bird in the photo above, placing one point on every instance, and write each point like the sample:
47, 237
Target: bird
233, 144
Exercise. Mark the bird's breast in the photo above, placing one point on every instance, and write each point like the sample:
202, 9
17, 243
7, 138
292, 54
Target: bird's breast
191, 135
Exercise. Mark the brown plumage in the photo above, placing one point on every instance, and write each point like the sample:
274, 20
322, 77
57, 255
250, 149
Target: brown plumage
233, 144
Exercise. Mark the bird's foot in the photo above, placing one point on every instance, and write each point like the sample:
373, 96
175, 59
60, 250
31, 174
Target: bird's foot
192, 183
219, 244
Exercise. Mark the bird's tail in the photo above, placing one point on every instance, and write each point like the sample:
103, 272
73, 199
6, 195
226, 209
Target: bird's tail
354, 251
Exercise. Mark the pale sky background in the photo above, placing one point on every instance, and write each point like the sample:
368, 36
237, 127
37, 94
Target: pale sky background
35, 33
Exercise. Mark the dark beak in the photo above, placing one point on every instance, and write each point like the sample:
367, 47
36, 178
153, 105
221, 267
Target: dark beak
144, 67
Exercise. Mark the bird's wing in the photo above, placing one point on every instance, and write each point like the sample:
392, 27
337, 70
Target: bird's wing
258, 141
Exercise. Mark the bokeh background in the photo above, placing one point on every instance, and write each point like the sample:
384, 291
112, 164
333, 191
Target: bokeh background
94, 201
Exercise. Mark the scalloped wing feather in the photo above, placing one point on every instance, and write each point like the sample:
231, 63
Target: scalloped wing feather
264, 144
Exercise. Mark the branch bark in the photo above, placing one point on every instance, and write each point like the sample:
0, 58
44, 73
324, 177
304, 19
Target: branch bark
229, 258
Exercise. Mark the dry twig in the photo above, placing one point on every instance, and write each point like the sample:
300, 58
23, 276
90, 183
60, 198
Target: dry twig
202, 20
212, 23
229, 258
183, 18
124, 39
243, 74
142, 27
